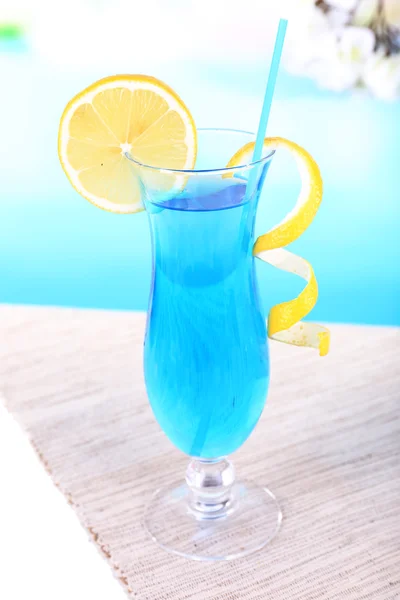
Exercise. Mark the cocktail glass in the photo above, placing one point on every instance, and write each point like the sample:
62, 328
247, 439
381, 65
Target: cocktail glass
206, 357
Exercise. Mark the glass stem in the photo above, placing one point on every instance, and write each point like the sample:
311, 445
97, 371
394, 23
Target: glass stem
211, 487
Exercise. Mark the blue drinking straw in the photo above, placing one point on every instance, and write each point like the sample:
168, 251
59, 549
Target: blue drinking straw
269, 93
202, 431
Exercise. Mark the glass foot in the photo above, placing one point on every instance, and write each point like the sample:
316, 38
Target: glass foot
243, 524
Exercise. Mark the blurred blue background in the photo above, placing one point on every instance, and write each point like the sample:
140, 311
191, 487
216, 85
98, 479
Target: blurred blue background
57, 249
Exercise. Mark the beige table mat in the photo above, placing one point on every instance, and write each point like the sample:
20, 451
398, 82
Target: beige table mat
328, 445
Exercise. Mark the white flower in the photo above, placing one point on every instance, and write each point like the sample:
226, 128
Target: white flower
340, 56
343, 4
356, 44
340, 62
365, 12
382, 76
338, 18
392, 12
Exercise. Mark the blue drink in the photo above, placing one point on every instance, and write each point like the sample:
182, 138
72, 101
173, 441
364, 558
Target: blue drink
206, 356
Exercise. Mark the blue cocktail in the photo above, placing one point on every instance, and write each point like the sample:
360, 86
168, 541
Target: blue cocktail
206, 356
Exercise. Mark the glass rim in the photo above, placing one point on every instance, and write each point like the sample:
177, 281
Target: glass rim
214, 171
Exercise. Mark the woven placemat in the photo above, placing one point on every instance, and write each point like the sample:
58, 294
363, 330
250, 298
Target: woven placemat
328, 445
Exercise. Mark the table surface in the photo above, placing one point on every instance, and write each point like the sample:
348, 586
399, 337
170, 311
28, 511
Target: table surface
328, 444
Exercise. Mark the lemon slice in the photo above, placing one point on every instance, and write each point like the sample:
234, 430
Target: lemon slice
133, 114
284, 321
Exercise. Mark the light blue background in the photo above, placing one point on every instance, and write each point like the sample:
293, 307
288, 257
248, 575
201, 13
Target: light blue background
57, 249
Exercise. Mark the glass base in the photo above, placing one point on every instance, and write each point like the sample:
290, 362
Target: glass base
246, 523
